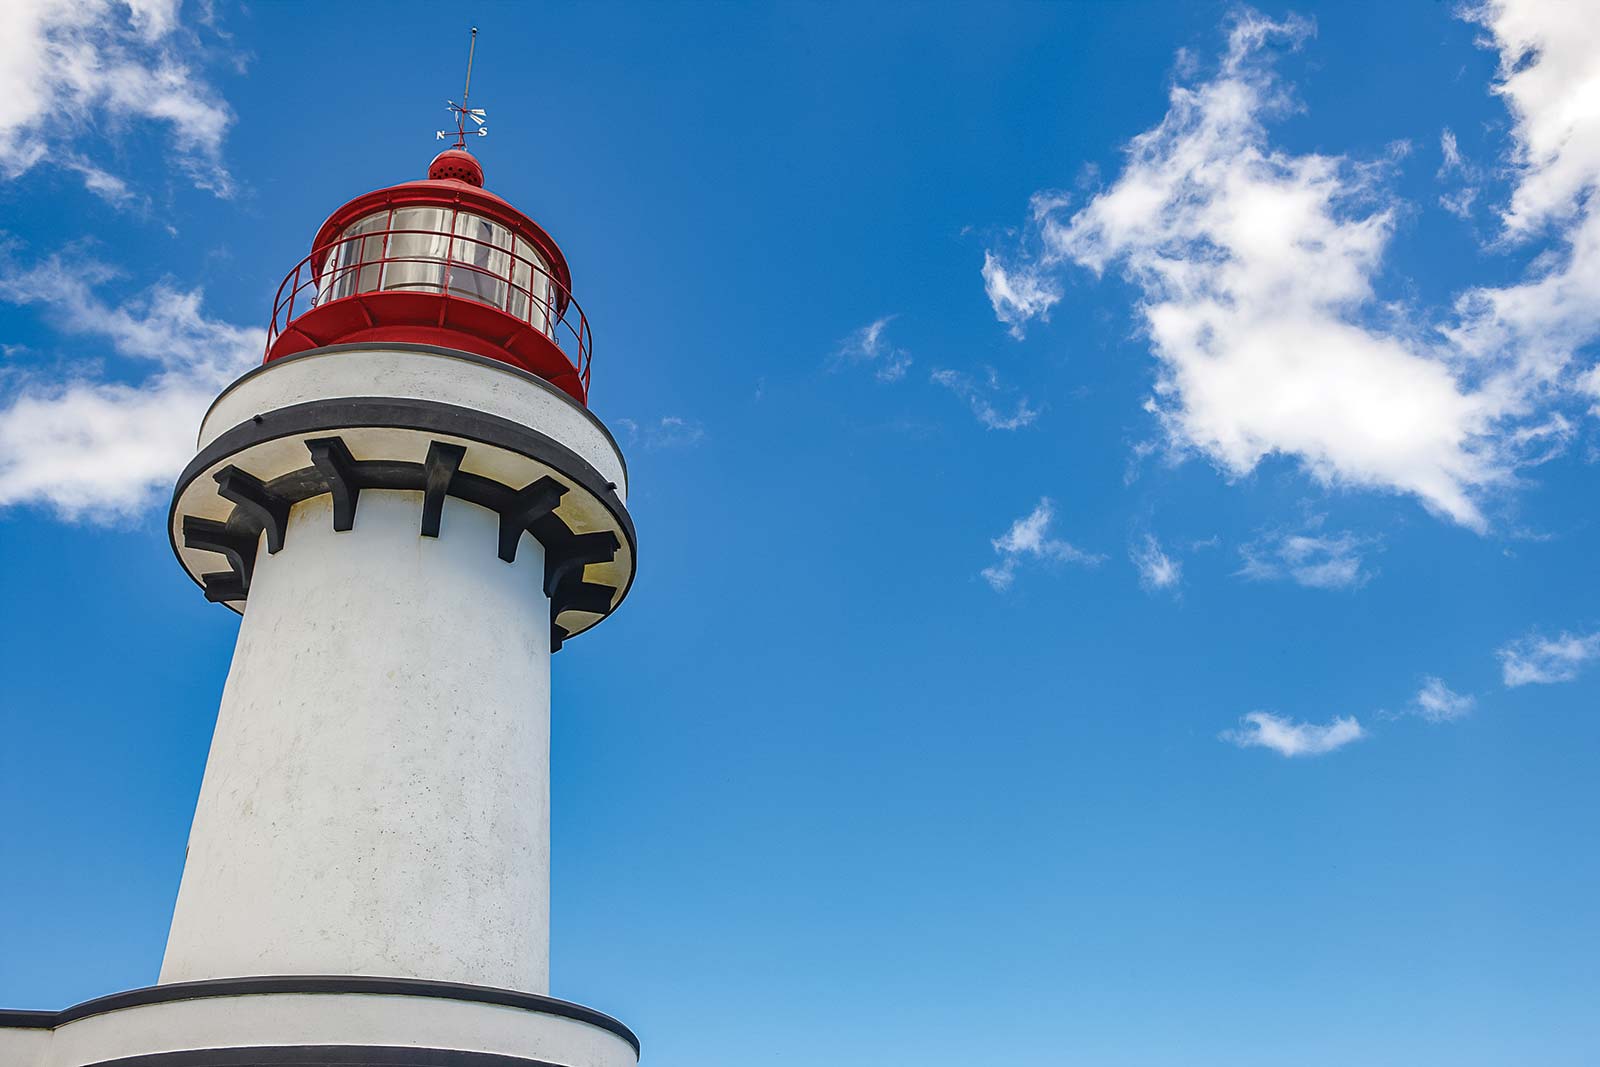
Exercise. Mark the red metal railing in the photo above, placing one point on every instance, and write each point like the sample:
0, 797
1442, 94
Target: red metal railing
522, 288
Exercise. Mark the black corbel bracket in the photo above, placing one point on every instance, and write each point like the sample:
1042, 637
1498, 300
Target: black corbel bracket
533, 502
438, 471
224, 586
239, 546
575, 594
576, 554
262, 508
338, 466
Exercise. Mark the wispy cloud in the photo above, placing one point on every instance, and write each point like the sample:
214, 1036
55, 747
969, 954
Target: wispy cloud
1018, 293
1263, 729
1455, 168
1029, 538
982, 396
71, 67
668, 431
1310, 557
1450, 151
1434, 702
1437, 702
1157, 570
92, 447
102, 183
870, 345
1538, 660
1257, 265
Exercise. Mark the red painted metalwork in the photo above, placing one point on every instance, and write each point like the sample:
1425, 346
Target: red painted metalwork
461, 292
447, 194
456, 164
341, 295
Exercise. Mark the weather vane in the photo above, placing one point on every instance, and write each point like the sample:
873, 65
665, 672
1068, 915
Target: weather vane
461, 111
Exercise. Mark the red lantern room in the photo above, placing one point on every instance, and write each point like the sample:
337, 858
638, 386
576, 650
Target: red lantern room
440, 262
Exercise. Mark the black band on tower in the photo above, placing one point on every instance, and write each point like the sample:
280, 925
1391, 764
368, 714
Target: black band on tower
322, 984
427, 416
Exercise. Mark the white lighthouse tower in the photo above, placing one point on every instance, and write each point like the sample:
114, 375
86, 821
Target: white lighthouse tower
412, 508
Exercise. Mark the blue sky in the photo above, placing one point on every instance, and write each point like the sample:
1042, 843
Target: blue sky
1114, 488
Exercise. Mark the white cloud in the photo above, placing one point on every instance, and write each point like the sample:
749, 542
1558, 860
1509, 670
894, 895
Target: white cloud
1438, 703
1156, 569
69, 67
98, 450
1309, 557
94, 448
669, 431
980, 397
1257, 265
870, 345
1263, 729
1539, 660
1029, 537
1549, 79
1020, 293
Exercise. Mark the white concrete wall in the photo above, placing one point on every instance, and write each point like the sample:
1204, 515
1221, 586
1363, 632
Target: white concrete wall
376, 801
478, 384
24, 1048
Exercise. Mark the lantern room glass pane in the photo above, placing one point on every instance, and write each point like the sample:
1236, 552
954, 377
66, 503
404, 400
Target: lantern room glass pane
530, 291
418, 249
517, 301
352, 265
480, 263
544, 291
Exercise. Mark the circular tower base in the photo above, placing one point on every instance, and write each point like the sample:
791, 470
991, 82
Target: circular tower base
319, 1021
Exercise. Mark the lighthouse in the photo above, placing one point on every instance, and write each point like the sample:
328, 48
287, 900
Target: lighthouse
411, 508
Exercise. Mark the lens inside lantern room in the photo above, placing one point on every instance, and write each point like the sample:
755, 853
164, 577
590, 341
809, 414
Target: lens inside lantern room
441, 250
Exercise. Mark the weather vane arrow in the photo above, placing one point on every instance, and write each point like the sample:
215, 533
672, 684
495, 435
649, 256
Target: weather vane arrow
463, 114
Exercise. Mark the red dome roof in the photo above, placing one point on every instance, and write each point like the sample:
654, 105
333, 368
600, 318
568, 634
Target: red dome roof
457, 164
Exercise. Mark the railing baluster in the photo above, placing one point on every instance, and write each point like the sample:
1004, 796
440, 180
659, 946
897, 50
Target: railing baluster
547, 297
